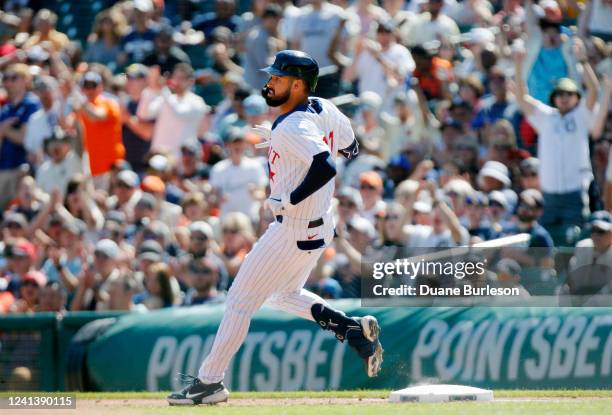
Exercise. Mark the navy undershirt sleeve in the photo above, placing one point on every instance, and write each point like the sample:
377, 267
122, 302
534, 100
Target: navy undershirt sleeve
322, 170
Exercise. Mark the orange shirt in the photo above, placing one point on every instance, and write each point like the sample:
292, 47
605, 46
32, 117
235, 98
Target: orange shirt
103, 138
430, 82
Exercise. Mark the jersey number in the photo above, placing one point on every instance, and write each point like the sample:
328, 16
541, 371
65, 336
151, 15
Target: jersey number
329, 141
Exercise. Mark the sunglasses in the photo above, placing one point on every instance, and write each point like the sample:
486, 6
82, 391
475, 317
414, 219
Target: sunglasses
565, 93
390, 217
530, 174
11, 77
13, 225
598, 231
198, 238
230, 231
29, 284
101, 255
204, 271
366, 187
496, 205
90, 85
347, 204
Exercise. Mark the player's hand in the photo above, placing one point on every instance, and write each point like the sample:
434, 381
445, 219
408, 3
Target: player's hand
265, 133
279, 205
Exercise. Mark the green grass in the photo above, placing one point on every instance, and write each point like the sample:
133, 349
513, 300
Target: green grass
381, 393
131, 403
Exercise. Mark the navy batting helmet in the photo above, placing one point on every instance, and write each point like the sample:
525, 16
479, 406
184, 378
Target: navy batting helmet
295, 63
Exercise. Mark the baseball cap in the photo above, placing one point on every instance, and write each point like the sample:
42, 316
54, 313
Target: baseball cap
272, 10
16, 218
234, 134
44, 83
363, 226
129, 178
192, 145
144, 6
530, 164
479, 36
498, 197
371, 178
255, 105
350, 194
107, 247
136, 70
330, 287
201, 227
36, 276
153, 184
159, 162
370, 100
91, 76
422, 206
532, 198
21, 249
146, 201
601, 219
495, 170
150, 250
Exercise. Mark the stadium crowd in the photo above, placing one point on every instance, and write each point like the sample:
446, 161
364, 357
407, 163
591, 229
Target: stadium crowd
130, 179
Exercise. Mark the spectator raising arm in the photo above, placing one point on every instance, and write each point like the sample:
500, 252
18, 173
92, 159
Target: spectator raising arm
590, 79
526, 102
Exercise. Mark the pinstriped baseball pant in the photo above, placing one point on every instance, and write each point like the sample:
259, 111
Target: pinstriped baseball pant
273, 272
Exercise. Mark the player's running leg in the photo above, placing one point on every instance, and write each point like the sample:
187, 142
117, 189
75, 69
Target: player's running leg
362, 333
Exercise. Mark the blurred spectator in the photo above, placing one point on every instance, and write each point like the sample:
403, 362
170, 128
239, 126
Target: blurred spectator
597, 14
101, 120
158, 288
315, 27
167, 212
44, 26
63, 163
237, 239
21, 257
349, 204
223, 16
402, 19
41, 124
126, 193
329, 288
79, 203
179, 113
136, 132
508, 273
238, 177
433, 25
371, 190
96, 277
104, 42
432, 72
549, 55
139, 40
262, 43
29, 292
530, 169
563, 143
121, 290
52, 298
204, 277
14, 114
166, 54
381, 66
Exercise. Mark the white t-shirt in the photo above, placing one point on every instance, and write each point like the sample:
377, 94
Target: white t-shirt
425, 30
52, 175
177, 118
563, 147
40, 126
235, 182
298, 136
372, 76
315, 30
601, 18
423, 236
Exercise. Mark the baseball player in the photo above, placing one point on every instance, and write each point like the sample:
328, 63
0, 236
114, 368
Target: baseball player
303, 144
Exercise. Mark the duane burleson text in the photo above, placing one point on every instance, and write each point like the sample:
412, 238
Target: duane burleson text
423, 290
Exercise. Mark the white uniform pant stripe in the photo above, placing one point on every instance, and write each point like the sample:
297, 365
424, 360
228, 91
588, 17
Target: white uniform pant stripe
274, 270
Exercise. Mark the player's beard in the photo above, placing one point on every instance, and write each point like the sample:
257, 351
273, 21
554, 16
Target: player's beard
277, 101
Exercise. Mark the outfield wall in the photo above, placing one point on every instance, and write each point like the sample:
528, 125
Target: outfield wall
535, 348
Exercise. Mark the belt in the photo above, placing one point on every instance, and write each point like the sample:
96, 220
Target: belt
312, 224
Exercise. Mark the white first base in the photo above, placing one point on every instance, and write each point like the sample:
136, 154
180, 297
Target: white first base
441, 393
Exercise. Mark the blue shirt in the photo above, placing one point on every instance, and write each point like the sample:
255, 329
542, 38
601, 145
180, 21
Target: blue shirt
209, 21
138, 45
493, 110
548, 68
13, 155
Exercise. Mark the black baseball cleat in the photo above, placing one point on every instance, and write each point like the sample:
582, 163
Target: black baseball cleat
370, 350
196, 392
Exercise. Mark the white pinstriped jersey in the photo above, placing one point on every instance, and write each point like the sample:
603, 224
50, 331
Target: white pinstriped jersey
296, 137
